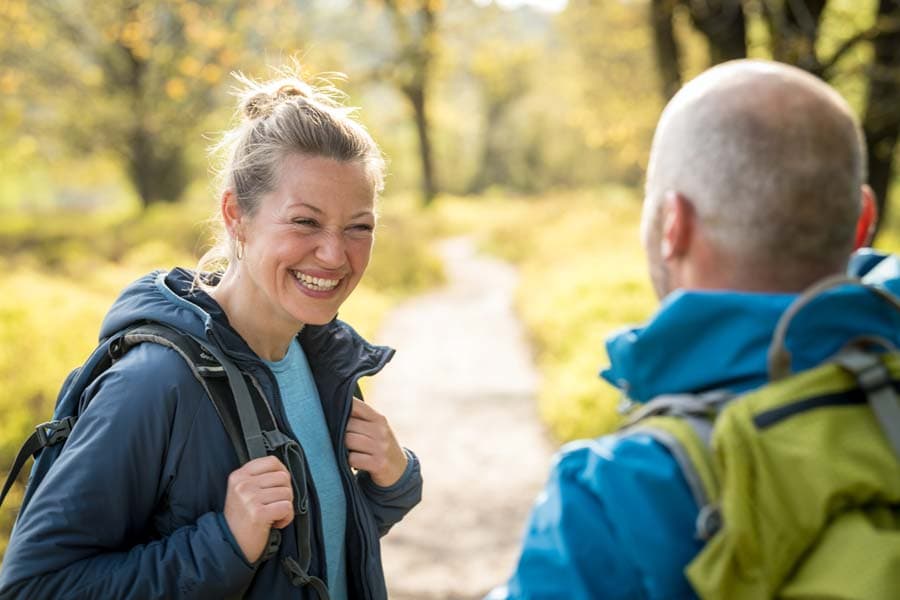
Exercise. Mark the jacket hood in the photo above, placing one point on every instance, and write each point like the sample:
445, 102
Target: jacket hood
151, 299
705, 340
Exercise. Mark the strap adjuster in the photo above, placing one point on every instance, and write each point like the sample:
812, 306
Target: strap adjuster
272, 545
709, 522
54, 432
299, 577
874, 377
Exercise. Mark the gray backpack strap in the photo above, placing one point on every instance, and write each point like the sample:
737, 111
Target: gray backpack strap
873, 377
779, 358
700, 409
248, 439
875, 380
679, 453
245, 436
699, 412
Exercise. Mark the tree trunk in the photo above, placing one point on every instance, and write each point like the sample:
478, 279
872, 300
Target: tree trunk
722, 23
666, 46
416, 96
795, 32
492, 166
158, 171
882, 114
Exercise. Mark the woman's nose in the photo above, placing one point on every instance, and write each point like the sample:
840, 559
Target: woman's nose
331, 250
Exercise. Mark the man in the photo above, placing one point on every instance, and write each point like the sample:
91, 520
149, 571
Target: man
755, 190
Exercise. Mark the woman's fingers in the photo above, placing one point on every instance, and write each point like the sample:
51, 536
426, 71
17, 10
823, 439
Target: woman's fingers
260, 496
363, 411
357, 442
372, 446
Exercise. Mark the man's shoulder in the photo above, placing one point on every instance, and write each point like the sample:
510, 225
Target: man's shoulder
603, 464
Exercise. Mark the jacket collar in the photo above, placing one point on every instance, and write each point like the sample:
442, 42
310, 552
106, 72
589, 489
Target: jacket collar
331, 348
704, 340
171, 298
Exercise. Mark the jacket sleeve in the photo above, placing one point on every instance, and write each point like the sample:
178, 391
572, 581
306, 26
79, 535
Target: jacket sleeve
615, 521
87, 533
390, 504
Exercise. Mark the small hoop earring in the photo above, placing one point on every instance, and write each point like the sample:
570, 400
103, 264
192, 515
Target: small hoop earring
239, 250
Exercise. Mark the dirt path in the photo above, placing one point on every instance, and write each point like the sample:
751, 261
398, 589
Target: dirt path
460, 392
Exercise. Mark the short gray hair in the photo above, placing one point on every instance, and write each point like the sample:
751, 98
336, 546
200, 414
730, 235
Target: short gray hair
772, 160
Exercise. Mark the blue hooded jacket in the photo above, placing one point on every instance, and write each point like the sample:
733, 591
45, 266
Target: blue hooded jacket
616, 519
132, 508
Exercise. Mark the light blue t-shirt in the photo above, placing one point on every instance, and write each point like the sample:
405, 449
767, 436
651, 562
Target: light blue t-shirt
304, 414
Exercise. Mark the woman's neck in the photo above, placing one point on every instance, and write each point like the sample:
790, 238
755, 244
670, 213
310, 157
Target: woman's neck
268, 338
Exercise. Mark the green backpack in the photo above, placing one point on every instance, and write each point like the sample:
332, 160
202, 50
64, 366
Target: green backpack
798, 481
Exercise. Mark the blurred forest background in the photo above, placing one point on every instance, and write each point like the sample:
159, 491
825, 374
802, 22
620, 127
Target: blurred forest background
526, 124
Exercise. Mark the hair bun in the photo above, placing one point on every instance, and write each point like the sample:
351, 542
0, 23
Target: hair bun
261, 104
289, 90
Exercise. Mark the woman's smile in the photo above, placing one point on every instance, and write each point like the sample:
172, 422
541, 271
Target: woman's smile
319, 285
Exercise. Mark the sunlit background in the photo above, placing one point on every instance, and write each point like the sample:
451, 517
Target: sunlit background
525, 124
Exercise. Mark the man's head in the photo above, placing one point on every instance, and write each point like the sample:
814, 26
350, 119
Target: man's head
755, 182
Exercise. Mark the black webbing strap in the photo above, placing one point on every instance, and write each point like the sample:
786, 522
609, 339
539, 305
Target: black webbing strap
45, 434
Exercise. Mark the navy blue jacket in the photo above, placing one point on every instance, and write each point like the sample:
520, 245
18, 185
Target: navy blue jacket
133, 506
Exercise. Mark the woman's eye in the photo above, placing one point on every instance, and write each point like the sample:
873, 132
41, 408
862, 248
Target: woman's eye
305, 222
361, 228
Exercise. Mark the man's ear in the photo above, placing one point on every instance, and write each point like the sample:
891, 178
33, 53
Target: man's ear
677, 226
868, 218
232, 214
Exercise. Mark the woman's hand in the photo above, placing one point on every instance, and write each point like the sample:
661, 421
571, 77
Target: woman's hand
372, 445
259, 497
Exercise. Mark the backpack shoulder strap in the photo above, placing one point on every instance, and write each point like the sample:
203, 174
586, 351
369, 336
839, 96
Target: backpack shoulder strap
208, 363
869, 370
683, 425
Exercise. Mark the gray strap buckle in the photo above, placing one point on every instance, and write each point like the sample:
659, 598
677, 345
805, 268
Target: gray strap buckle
54, 432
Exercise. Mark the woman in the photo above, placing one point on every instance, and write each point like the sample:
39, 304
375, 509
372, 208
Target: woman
147, 499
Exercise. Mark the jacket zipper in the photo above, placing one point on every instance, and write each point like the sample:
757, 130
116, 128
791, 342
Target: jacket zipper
355, 492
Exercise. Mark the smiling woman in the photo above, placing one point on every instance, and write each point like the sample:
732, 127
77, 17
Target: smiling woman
297, 207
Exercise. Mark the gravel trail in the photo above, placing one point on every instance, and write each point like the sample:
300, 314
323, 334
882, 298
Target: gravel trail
460, 392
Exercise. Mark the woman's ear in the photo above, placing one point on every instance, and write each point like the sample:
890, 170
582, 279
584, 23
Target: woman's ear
232, 214
868, 218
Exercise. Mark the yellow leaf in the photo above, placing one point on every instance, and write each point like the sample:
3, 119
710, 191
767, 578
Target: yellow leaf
189, 66
176, 88
211, 73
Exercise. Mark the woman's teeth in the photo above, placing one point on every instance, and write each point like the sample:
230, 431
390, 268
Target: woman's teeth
316, 283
